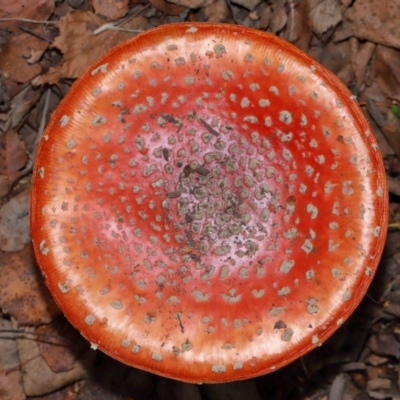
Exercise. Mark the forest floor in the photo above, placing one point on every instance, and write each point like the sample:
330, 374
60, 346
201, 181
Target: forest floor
44, 46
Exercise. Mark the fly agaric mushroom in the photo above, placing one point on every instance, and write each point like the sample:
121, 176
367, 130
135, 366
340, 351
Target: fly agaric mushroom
208, 203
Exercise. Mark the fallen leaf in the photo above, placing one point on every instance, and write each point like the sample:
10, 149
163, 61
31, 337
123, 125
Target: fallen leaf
373, 95
217, 12
337, 389
14, 223
324, 15
192, 3
81, 47
61, 345
38, 378
10, 376
375, 360
249, 4
345, 4
384, 344
38, 10
391, 131
279, 16
335, 56
376, 21
298, 28
14, 63
379, 383
343, 31
166, 7
376, 113
20, 105
4, 94
111, 9
265, 13
69, 393
23, 293
360, 60
13, 157
386, 70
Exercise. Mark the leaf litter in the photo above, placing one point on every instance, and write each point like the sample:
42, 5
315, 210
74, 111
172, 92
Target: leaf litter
44, 46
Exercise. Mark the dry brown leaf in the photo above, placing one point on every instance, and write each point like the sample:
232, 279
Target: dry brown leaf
360, 60
249, 4
376, 113
38, 377
217, 12
192, 3
20, 106
4, 94
324, 14
13, 157
14, 223
4, 185
81, 47
265, 14
111, 9
375, 360
67, 393
61, 345
298, 28
166, 7
387, 71
372, 95
336, 56
338, 386
384, 344
38, 10
343, 31
22, 291
345, 4
377, 21
279, 16
391, 130
379, 383
10, 376
14, 63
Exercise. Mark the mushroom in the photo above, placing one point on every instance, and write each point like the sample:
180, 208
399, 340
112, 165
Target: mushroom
208, 203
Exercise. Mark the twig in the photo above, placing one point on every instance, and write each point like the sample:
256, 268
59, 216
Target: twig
32, 158
394, 226
33, 21
44, 116
45, 338
111, 26
31, 32
16, 368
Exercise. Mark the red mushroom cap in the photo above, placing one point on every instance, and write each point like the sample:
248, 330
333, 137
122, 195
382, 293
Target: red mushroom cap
208, 203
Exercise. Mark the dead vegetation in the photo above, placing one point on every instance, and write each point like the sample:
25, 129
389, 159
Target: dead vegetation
44, 46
